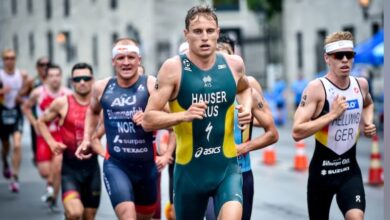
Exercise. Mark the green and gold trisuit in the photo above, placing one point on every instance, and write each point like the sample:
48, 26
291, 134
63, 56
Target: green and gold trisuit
206, 155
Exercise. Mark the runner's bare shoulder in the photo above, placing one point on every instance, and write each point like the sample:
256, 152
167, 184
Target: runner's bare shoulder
99, 85
170, 68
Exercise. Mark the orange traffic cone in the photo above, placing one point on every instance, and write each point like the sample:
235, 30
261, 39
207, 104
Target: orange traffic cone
376, 170
168, 211
269, 155
300, 161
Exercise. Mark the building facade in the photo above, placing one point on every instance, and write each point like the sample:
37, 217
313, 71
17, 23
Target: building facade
307, 22
71, 31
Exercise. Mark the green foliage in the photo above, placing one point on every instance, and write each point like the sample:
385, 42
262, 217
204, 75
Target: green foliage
270, 7
226, 4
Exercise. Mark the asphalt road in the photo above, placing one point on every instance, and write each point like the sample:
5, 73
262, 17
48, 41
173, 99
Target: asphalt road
280, 192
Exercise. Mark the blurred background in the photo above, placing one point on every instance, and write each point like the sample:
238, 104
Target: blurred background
281, 42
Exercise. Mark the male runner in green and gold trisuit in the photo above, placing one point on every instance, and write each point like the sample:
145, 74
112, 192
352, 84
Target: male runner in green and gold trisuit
201, 86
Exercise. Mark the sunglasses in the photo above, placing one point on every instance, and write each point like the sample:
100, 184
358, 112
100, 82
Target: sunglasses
43, 64
340, 55
78, 79
9, 58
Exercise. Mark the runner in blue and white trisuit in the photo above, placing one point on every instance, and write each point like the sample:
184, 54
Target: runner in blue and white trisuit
130, 172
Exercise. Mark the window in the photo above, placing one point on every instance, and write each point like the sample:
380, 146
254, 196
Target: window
226, 5
163, 52
320, 63
299, 50
133, 33
114, 37
70, 53
95, 50
50, 45
30, 6
66, 8
14, 6
48, 9
114, 4
31, 44
350, 29
15, 42
375, 27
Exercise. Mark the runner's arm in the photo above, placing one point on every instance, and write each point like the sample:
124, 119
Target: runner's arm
49, 115
4, 89
91, 120
263, 115
25, 87
97, 146
369, 128
172, 142
93, 113
155, 118
257, 87
244, 92
166, 149
304, 125
171, 146
100, 131
27, 106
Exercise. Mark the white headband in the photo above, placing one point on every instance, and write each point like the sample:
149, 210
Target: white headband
122, 49
183, 47
341, 44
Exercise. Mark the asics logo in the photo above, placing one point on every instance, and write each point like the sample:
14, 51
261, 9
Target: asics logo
207, 151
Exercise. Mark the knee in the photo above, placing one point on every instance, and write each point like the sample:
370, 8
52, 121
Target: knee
57, 170
44, 170
74, 214
354, 214
230, 210
17, 147
57, 164
44, 174
126, 214
89, 213
5, 142
126, 210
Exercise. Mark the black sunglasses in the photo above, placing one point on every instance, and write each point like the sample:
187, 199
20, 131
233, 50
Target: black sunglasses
340, 55
9, 58
78, 79
43, 64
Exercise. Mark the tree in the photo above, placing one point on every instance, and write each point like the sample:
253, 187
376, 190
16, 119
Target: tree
270, 7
